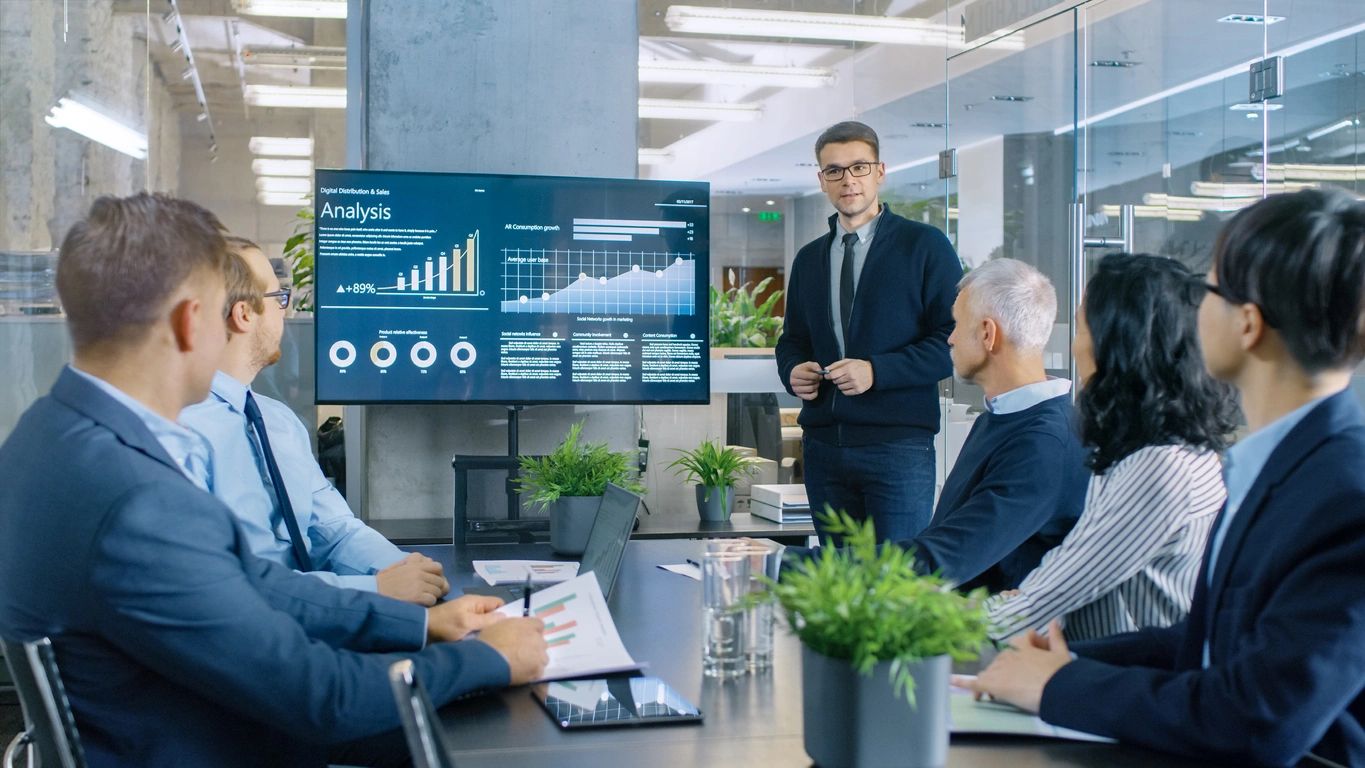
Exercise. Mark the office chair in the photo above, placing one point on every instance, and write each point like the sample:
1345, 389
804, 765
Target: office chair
420, 723
50, 736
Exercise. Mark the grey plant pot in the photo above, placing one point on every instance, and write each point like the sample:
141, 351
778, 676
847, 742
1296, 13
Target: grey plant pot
715, 504
571, 519
855, 721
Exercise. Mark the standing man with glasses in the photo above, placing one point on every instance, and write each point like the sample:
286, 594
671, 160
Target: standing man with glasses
263, 467
869, 311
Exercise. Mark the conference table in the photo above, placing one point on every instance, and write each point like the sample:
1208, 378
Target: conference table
753, 721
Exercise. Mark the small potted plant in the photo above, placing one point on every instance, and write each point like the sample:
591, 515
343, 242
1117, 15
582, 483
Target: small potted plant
714, 468
570, 482
877, 644
738, 319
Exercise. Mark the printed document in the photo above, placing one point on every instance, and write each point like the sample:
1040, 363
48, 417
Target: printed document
514, 571
578, 628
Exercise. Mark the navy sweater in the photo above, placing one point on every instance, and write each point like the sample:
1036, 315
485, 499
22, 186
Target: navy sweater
1015, 492
902, 316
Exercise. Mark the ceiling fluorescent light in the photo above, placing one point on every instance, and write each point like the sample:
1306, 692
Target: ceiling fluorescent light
1246, 189
803, 25
307, 9
93, 124
1316, 172
1251, 18
1154, 212
751, 75
1262, 106
294, 185
1333, 128
682, 109
283, 198
279, 146
1213, 77
275, 167
650, 156
1220, 204
295, 96
296, 57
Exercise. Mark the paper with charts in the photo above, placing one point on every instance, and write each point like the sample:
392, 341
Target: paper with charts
578, 628
515, 571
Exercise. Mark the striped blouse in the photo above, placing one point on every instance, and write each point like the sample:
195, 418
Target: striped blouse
1134, 555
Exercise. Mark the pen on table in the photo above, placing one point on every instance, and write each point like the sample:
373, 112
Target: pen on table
526, 596
690, 561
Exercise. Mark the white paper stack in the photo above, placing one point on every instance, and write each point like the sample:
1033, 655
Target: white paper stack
515, 571
781, 503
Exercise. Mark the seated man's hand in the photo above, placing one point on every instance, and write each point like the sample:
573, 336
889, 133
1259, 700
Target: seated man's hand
522, 642
1021, 671
805, 380
414, 579
454, 620
852, 377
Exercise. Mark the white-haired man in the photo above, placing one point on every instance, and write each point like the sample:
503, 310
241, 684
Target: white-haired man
1019, 483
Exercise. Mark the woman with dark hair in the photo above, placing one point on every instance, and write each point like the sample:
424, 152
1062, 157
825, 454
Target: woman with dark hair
1154, 421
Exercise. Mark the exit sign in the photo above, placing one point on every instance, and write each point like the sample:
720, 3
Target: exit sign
769, 215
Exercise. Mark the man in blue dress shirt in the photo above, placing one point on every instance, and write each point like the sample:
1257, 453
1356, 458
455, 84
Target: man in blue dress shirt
328, 541
1269, 666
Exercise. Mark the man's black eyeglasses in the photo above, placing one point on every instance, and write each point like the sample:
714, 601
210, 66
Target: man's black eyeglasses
1217, 290
281, 297
836, 172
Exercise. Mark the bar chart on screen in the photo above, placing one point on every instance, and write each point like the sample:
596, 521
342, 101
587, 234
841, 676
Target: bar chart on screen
579, 630
454, 273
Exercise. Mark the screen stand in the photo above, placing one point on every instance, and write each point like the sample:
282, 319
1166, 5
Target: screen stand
513, 526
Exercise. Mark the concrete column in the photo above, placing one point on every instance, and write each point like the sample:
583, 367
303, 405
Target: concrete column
26, 182
539, 86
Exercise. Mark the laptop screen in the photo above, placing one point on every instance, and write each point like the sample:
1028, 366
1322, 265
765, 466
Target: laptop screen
610, 532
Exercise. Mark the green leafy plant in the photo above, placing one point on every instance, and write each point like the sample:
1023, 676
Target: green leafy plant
864, 603
575, 468
712, 465
298, 251
738, 320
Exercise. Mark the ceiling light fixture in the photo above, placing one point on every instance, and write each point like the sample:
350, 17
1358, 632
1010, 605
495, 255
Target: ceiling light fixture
682, 109
1154, 212
1262, 106
750, 75
95, 125
296, 96
1250, 18
1246, 189
280, 146
649, 156
294, 185
296, 57
1333, 128
284, 198
803, 25
1217, 204
277, 167
306, 9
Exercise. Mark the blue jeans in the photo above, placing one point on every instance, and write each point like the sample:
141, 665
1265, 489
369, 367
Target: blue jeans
892, 483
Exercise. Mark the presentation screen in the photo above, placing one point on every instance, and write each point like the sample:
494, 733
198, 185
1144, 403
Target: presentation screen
463, 288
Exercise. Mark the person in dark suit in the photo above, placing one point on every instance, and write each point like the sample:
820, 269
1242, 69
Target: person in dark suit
865, 343
1269, 666
176, 644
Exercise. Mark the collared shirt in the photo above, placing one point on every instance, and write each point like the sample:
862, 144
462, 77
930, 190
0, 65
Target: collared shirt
1027, 396
836, 264
345, 551
1243, 465
189, 450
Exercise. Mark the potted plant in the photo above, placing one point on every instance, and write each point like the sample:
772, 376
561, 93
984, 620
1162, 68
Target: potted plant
739, 320
298, 251
714, 468
877, 643
570, 482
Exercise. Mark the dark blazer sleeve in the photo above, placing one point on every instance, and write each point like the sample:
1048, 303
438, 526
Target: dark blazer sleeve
926, 360
1286, 679
1017, 495
178, 599
794, 345
1148, 647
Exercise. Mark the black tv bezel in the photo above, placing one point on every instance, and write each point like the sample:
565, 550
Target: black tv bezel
704, 303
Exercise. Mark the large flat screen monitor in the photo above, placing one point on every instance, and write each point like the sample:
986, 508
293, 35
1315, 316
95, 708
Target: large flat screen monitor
446, 288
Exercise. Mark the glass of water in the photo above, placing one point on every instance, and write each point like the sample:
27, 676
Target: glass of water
724, 583
764, 559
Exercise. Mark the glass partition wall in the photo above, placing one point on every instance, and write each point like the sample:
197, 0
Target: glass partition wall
1129, 125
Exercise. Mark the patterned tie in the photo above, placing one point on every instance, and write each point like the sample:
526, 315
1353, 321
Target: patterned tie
846, 286
253, 416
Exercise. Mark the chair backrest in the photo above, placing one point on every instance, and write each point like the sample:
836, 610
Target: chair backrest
47, 713
421, 725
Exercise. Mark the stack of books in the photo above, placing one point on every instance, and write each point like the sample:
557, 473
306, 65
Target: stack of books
780, 503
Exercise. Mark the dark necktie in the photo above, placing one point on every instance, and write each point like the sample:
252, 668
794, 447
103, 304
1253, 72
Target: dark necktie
253, 416
846, 286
